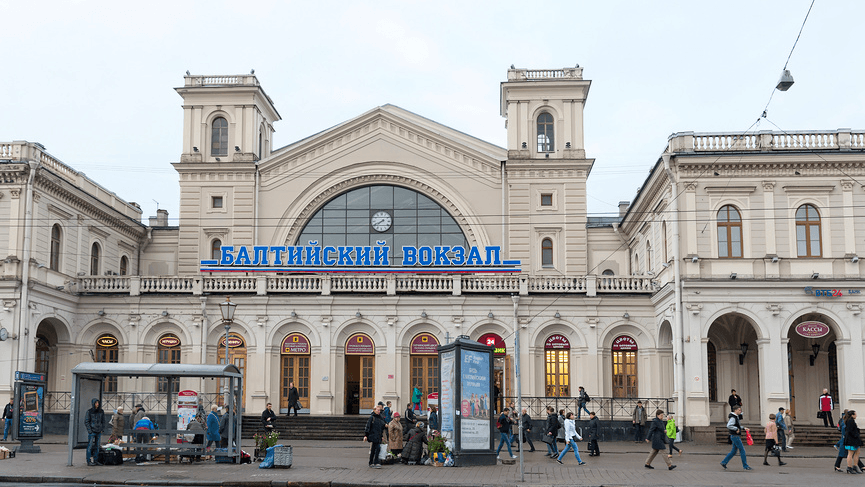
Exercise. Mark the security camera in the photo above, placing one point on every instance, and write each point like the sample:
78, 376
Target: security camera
695, 259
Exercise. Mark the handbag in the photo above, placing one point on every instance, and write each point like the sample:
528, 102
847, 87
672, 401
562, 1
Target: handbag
748, 439
548, 439
821, 414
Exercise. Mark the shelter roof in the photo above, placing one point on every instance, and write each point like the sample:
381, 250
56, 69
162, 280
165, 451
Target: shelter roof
156, 370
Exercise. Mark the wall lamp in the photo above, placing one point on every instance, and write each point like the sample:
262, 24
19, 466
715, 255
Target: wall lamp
816, 349
423, 314
101, 312
294, 314
775, 259
626, 316
854, 259
558, 315
665, 265
744, 348
490, 315
165, 313
695, 259
195, 149
358, 315
815, 275
733, 275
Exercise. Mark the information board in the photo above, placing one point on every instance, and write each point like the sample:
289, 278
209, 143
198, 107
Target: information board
447, 393
475, 400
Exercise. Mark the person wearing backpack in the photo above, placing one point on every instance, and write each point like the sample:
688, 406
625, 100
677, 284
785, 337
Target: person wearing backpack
504, 426
582, 401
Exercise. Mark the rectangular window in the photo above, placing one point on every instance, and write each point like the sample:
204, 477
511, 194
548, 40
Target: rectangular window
216, 202
547, 199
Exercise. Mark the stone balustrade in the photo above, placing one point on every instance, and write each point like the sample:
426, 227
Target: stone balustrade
326, 284
764, 141
221, 80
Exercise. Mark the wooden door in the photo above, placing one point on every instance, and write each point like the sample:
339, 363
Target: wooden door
295, 368
425, 371
367, 382
236, 356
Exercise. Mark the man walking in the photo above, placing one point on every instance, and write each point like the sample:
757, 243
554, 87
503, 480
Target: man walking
594, 435
551, 430
658, 439
527, 429
639, 420
7, 419
504, 426
94, 421
293, 399
582, 401
734, 400
825, 407
735, 429
781, 431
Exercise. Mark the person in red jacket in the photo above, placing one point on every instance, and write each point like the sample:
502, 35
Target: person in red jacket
825, 407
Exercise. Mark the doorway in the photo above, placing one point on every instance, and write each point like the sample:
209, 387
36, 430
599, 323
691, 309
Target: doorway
359, 384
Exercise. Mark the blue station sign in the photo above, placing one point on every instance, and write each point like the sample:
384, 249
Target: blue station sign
315, 258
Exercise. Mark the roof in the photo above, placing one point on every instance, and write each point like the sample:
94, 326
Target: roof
156, 370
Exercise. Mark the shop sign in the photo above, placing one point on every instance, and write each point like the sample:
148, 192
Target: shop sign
557, 342
831, 293
812, 329
424, 344
106, 341
495, 341
315, 258
359, 344
234, 341
169, 341
295, 343
624, 343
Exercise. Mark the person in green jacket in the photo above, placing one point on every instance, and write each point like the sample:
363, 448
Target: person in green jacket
671, 434
416, 396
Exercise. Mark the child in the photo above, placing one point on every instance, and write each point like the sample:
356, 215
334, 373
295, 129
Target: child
671, 435
771, 437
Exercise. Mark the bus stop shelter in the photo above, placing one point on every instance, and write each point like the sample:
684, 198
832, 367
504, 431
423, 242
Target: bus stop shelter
89, 377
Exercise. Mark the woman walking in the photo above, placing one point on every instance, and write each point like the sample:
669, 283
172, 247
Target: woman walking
570, 434
394, 433
657, 436
772, 441
842, 452
672, 429
788, 420
852, 442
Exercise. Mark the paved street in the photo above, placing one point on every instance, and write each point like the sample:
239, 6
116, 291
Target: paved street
341, 463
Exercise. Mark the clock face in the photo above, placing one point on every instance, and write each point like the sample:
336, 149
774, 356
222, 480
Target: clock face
381, 221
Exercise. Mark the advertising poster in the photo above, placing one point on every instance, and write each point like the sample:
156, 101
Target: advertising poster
447, 393
475, 401
187, 408
30, 407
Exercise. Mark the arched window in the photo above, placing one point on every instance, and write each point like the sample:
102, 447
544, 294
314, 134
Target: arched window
664, 233
124, 265
624, 351
107, 351
56, 241
219, 137
808, 232
545, 132
648, 256
168, 353
43, 356
94, 259
215, 249
557, 351
547, 252
712, 359
729, 232
635, 269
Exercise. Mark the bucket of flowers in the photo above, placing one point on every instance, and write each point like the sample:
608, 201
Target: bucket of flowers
263, 441
438, 451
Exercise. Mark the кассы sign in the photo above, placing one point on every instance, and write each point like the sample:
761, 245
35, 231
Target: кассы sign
812, 329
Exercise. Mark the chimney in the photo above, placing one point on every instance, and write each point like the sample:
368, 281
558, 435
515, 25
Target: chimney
160, 220
623, 208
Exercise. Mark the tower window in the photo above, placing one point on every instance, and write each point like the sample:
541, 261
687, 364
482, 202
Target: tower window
546, 199
545, 132
547, 253
729, 232
216, 202
124, 265
56, 241
808, 231
94, 259
219, 137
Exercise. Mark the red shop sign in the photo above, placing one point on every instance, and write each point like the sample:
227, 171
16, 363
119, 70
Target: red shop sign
624, 343
557, 342
812, 329
359, 344
424, 344
106, 341
234, 341
295, 343
495, 341
169, 341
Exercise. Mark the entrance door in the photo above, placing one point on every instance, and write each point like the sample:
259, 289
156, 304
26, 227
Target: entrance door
425, 371
295, 369
352, 384
367, 385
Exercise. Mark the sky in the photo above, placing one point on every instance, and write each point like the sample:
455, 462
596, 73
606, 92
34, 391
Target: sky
94, 81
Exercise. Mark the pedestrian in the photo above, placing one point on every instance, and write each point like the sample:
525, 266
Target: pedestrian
582, 400
842, 452
293, 399
118, 423
551, 432
372, 432
413, 449
561, 433
268, 418
197, 432
672, 431
94, 421
782, 429
594, 434
433, 419
212, 427
515, 424
388, 414
138, 413
735, 401
658, 438
570, 434
734, 426
504, 426
146, 427
788, 421
223, 427
852, 442
825, 407
771, 443
416, 396
639, 420
394, 433
409, 413
527, 429
7, 418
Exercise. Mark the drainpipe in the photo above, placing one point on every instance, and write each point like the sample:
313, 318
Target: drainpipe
255, 210
24, 307
679, 333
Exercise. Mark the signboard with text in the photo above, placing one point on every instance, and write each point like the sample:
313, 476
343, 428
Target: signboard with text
812, 329
359, 344
495, 341
557, 342
624, 343
475, 400
295, 344
424, 344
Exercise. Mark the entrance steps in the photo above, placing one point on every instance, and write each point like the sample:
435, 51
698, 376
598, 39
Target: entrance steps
804, 435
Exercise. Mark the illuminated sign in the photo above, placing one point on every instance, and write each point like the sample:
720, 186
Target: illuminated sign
359, 344
295, 343
106, 341
315, 258
169, 341
557, 342
812, 329
495, 341
624, 343
234, 341
424, 344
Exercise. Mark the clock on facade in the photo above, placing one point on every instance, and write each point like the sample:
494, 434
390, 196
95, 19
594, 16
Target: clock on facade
381, 221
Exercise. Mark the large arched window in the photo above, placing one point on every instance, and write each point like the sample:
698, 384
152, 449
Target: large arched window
94, 259
216, 249
107, 351
808, 232
624, 352
56, 244
729, 232
395, 215
43, 356
547, 252
168, 353
124, 265
648, 256
219, 137
545, 132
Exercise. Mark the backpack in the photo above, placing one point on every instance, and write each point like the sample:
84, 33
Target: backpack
588, 399
498, 424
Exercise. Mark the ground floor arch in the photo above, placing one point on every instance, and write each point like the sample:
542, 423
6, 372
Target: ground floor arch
734, 340
359, 375
812, 365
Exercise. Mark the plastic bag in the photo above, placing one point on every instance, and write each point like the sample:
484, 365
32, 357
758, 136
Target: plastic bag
748, 439
382, 451
449, 461
268, 458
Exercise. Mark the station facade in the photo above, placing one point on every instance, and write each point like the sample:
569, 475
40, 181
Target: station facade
353, 253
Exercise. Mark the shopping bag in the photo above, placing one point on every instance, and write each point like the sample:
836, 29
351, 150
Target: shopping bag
382, 451
748, 439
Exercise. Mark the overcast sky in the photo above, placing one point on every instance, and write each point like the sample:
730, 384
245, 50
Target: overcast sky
93, 81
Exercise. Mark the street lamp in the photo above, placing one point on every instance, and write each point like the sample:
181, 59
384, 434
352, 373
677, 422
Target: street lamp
227, 308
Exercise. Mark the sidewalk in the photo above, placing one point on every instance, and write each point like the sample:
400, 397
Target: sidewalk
342, 464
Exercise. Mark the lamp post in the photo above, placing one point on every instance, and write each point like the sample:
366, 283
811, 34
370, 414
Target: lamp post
227, 308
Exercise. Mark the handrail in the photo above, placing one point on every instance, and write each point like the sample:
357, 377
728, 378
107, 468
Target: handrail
606, 408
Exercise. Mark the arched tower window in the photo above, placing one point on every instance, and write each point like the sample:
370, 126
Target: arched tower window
547, 252
215, 249
545, 132
94, 259
729, 232
648, 256
219, 137
808, 231
124, 265
56, 244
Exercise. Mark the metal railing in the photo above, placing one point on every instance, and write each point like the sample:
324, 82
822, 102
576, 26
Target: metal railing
60, 401
605, 408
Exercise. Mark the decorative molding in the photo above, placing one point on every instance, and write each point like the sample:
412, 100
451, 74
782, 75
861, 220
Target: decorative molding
691, 187
694, 308
126, 245
60, 212
216, 232
822, 188
846, 185
36, 197
768, 186
15, 192
97, 231
731, 190
854, 308
774, 308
